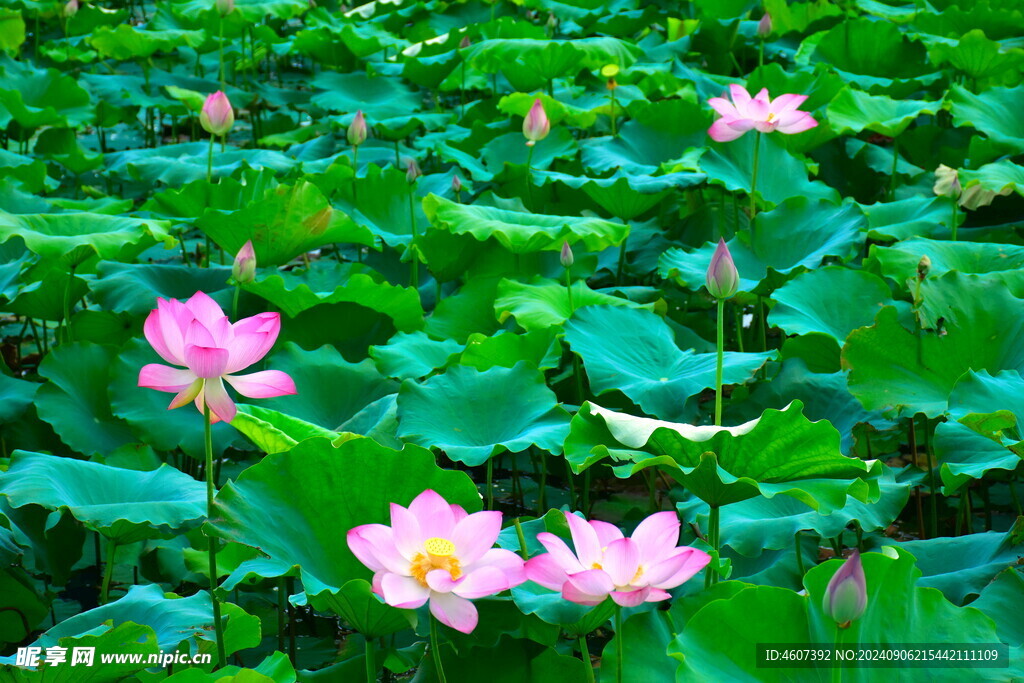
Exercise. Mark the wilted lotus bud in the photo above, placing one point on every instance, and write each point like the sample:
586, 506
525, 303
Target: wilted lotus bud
536, 125
412, 170
244, 268
217, 116
947, 182
456, 184
764, 27
924, 266
71, 8
846, 595
357, 130
465, 42
722, 278
225, 7
566, 256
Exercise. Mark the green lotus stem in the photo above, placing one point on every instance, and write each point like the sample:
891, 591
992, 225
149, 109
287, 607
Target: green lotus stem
67, 306
462, 92
895, 160
952, 225
209, 162
522, 540
837, 669
570, 480
542, 495
760, 56
414, 274
711, 575
108, 571
220, 49
355, 174
568, 288
577, 375
234, 302
398, 158
618, 642
490, 483
753, 178
933, 522
371, 662
799, 555
615, 131
218, 627
738, 318
280, 613
720, 347
585, 654
529, 177
436, 652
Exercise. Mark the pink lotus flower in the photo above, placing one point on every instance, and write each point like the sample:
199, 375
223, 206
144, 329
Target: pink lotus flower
244, 268
536, 125
356, 132
846, 595
632, 570
197, 335
225, 7
759, 112
764, 27
436, 552
217, 117
722, 278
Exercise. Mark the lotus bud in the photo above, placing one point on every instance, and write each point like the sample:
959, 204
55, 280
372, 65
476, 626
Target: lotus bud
947, 182
244, 268
217, 116
357, 130
225, 7
722, 278
846, 595
412, 170
924, 266
552, 21
764, 27
566, 256
465, 42
536, 125
456, 184
71, 8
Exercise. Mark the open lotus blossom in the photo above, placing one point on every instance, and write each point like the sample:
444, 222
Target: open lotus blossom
632, 570
437, 552
197, 335
759, 112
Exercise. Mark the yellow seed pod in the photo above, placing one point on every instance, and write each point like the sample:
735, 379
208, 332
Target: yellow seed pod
610, 70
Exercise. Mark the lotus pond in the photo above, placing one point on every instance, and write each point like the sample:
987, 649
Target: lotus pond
550, 340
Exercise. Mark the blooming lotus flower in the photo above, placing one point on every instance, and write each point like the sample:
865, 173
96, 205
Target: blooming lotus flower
722, 279
196, 334
437, 552
764, 26
846, 594
759, 112
217, 117
536, 125
631, 570
225, 7
244, 267
356, 132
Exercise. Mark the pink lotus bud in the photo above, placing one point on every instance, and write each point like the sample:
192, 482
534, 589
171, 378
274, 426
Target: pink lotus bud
566, 256
225, 7
357, 130
947, 182
71, 8
412, 170
722, 279
456, 184
846, 596
536, 125
764, 27
217, 116
244, 268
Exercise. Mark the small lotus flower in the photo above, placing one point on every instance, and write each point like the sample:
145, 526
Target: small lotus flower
536, 125
764, 27
197, 335
412, 170
225, 7
217, 116
71, 8
356, 132
631, 570
456, 184
947, 182
437, 552
244, 268
566, 256
846, 595
924, 266
759, 112
722, 279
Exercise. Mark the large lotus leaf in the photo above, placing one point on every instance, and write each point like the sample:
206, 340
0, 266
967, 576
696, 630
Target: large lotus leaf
47, 546
288, 221
521, 232
542, 303
633, 351
720, 640
52, 235
999, 601
1001, 262
1001, 177
780, 452
15, 396
134, 288
472, 415
963, 454
128, 639
558, 112
854, 110
993, 112
176, 165
531, 64
124, 505
413, 355
623, 195
377, 97
273, 431
354, 484
925, 216
128, 42
980, 392
378, 200
359, 606
75, 401
505, 349
976, 56
508, 659
781, 175
872, 48
33, 97
329, 282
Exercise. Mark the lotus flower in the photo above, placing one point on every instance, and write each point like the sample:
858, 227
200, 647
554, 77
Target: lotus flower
759, 112
632, 570
225, 7
536, 125
722, 279
412, 170
436, 552
71, 8
846, 594
244, 268
456, 184
566, 257
217, 117
764, 26
197, 335
356, 132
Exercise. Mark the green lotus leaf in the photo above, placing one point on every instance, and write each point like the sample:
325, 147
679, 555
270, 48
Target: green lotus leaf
1001, 177
128, 638
377, 97
530, 64
134, 288
963, 454
925, 216
854, 110
980, 392
125, 506
999, 599
128, 42
366, 613
633, 351
519, 104
413, 355
378, 200
176, 165
35, 97
15, 396
259, 508
510, 149
542, 303
999, 262
976, 56
623, 195
872, 48
522, 232
273, 431
505, 349
991, 112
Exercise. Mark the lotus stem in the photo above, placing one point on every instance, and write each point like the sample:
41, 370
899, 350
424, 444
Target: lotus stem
490, 483
218, 627
799, 555
837, 668
529, 177
720, 346
933, 522
108, 571
522, 540
234, 302
711, 574
585, 654
209, 162
435, 651
952, 225
618, 642
371, 663
753, 179
615, 132
67, 306
220, 49
414, 270
586, 492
